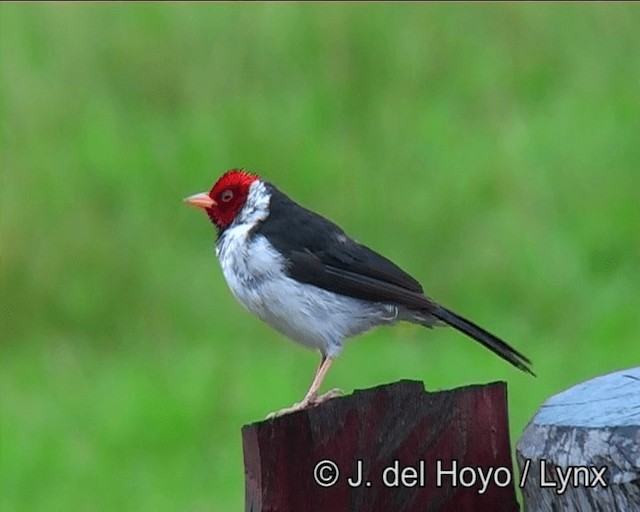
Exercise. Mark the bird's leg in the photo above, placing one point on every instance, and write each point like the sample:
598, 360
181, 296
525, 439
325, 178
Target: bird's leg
312, 398
322, 370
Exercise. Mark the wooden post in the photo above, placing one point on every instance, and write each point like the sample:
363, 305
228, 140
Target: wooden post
391, 448
581, 451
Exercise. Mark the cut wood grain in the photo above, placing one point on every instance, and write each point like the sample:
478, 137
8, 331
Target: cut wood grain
398, 438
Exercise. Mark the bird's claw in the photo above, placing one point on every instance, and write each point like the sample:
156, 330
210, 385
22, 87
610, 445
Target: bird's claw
286, 410
307, 403
332, 393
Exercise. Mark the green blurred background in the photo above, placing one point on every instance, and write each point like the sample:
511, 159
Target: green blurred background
492, 150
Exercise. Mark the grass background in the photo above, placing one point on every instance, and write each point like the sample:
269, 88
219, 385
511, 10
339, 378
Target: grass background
491, 150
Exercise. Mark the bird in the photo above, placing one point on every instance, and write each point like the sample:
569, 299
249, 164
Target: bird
304, 276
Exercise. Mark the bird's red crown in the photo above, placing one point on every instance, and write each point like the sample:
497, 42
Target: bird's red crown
232, 178
230, 194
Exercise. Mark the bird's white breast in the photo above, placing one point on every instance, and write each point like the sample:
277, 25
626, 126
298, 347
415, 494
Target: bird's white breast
256, 274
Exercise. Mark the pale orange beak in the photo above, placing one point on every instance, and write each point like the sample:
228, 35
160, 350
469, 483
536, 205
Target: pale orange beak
202, 201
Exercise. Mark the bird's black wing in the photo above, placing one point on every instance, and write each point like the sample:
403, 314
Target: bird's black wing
318, 252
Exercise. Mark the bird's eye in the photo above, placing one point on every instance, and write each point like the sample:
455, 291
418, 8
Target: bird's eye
227, 196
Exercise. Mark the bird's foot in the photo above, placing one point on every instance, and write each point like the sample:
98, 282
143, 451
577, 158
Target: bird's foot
295, 407
332, 393
306, 403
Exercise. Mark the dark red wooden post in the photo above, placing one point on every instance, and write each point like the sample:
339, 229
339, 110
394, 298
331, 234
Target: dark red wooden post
390, 448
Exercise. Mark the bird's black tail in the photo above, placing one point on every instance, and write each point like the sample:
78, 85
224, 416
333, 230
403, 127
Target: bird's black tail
493, 343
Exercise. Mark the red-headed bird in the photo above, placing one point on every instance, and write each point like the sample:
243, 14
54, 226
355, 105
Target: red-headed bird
302, 275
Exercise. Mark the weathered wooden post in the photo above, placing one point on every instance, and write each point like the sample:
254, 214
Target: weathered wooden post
581, 451
391, 448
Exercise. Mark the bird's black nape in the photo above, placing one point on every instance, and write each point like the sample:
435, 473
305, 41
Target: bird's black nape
493, 343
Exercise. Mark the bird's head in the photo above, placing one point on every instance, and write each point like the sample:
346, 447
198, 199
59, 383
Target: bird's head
226, 198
